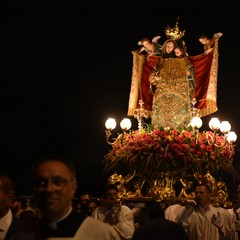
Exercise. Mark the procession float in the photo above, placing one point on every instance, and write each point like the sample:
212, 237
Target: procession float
165, 159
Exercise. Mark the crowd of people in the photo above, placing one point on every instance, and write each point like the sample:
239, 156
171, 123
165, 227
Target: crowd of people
54, 214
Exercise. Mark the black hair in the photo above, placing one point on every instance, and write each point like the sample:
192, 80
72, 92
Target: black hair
85, 193
156, 211
91, 200
206, 184
54, 157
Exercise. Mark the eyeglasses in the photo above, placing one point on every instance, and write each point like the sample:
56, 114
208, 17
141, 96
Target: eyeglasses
57, 183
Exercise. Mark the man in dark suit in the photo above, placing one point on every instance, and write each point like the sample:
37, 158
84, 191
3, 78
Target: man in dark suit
12, 228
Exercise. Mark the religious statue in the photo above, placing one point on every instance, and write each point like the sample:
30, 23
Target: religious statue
166, 82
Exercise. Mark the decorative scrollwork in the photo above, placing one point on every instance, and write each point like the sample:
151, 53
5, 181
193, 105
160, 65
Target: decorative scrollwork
162, 188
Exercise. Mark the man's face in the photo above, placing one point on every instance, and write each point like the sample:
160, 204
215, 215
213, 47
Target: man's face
111, 194
84, 198
91, 206
203, 196
54, 188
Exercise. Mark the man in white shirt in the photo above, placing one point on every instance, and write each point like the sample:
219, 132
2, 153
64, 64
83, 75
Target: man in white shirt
235, 212
203, 220
114, 213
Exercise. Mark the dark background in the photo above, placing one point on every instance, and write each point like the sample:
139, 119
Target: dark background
66, 68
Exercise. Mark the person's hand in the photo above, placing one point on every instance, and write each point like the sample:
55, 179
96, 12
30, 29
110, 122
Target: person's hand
216, 220
189, 203
189, 209
237, 225
112, 216
217, 35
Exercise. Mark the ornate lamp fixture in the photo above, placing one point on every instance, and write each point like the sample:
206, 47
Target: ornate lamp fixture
225, 127
111, 124
231, 136
214, 124
196, 122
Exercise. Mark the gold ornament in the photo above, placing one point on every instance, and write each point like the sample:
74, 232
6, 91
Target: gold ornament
174, 33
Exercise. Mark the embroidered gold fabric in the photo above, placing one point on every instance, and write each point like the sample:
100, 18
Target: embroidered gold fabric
171, 102
138, 61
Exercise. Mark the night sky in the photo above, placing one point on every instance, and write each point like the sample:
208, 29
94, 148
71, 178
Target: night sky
67, 68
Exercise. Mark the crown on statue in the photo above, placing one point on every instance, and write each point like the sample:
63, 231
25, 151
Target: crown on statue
174, 33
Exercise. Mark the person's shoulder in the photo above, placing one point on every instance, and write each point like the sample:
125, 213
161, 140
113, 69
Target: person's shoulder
221, 210
93, 229
101, 208
154, 228
21, 224
21, 229
230, 210
125, 210
90, 221
173, 207
125, 207
97, 228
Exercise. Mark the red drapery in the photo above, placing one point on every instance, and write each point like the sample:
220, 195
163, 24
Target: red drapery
202, 65
145, 92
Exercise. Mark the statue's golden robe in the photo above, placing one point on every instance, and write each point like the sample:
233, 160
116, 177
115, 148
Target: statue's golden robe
171, 99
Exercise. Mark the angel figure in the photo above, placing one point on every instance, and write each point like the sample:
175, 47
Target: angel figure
150, 47
208, 43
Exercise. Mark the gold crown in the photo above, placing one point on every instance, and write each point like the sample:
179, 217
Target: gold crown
174, 33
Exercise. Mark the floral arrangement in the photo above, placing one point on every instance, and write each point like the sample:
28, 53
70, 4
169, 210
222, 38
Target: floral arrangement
171, 151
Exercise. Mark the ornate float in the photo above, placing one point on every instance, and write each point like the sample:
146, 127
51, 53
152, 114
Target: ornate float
163, 162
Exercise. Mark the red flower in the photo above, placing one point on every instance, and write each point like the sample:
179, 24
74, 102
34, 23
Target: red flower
170, 150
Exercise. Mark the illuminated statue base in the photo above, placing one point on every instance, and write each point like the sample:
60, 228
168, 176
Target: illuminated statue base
168, 189
165, 163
